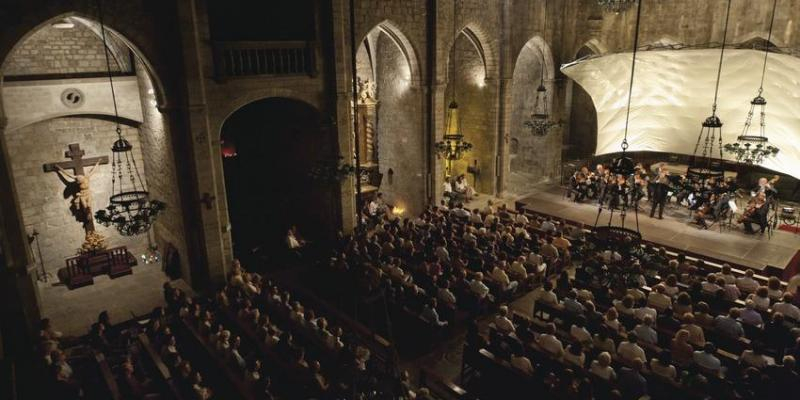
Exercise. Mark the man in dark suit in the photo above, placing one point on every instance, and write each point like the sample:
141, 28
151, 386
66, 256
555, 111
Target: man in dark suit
660, 188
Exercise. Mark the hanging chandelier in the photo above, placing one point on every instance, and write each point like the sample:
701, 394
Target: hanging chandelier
331, 171
754, 149
453, 146
130, 209
620, 192
615, 6
540, 122
702, 165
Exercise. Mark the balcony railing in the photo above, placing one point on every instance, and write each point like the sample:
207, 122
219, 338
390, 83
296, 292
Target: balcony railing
240, 59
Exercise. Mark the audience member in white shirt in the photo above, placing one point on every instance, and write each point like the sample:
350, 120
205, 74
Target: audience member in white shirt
502, 323
746, 283
478, 287
628, 350
549, 342
786, 307
602, 368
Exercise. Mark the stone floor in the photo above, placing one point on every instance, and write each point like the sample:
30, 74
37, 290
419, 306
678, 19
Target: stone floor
73, 311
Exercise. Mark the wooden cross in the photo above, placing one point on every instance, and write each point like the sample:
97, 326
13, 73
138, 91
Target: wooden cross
75, 153
82, 200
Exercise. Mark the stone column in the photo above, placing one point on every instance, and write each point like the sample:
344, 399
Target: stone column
197, 56
344, 108
439, 114
19, 301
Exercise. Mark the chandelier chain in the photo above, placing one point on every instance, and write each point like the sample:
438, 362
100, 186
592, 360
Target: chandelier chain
633, 72
453, 62
108, 67
721, 56
766, 47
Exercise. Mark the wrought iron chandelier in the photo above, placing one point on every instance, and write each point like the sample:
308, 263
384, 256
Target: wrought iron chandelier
331, 171
754, 149
453, 146
703, 165
623, 167
130, 210
615, 6
540, 122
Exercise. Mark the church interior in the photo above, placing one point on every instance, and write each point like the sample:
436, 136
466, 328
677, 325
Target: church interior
399, 199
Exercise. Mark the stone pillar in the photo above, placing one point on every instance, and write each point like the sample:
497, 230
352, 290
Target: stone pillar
344, 108
439, 114
205, 152
504, 134
19, 302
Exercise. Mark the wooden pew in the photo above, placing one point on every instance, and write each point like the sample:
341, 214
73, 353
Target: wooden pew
441, 387
282, 371
162, 375
111, 388
234, 379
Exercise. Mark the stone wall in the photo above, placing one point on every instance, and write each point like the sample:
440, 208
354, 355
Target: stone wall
41, 195
51, 50
475, 103
159, 160
535, 157
400, 142
27, 102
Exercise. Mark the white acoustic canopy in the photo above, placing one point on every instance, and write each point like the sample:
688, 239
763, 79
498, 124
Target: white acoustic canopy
672, 94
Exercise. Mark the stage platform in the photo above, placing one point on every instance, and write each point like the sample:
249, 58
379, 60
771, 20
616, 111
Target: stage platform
676, 230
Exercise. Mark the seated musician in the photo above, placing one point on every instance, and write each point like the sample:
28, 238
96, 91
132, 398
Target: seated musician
766, 186
462, 188
705, 209
617, 191
580, 183
640, 184
755, 213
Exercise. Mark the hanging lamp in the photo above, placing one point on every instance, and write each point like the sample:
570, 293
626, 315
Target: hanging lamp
702, 164
453, 146
540, 123
754, 149
623, 167
130, 210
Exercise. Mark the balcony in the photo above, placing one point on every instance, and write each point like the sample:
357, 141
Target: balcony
250, 59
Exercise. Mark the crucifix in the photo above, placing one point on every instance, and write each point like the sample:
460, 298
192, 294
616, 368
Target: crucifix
82, 199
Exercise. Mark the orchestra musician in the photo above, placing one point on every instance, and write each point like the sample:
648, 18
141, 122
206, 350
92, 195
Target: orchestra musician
660, 187
706, 209
755, 213
766, 186
581, 184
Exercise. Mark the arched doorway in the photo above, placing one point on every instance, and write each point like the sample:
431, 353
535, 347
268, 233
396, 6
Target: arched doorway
581, 142
532, 161
271, 148
52, 99
466, 83
393, 144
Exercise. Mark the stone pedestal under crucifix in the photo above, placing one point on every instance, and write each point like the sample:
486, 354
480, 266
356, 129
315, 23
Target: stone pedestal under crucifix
82, 197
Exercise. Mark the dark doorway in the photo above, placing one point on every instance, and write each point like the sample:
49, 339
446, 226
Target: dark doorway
582, 140
276, 142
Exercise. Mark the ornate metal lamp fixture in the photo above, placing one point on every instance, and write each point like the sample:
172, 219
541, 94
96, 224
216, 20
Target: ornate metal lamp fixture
703, 165
453, 147
753, 149
540, 122
130, 210
623, 167
331, 171
615, 6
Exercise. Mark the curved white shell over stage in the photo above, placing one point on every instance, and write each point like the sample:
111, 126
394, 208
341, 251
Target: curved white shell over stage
672, 94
